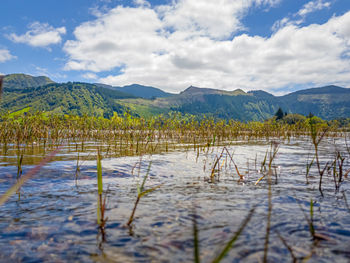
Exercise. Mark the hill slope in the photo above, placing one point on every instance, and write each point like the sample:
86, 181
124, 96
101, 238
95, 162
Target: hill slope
146, 92
22, 81
40, 93
328, 102
67, 98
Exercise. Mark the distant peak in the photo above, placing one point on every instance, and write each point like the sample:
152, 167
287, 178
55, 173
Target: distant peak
192, 88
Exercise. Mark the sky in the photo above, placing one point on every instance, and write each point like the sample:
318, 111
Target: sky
274, 45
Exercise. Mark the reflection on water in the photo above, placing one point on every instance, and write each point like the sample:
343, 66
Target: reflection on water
55, 217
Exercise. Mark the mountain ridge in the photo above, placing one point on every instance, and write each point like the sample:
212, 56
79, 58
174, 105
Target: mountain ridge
142, 91
328, 102
20, 80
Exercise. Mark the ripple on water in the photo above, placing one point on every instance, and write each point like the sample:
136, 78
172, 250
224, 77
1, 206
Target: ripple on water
55, 217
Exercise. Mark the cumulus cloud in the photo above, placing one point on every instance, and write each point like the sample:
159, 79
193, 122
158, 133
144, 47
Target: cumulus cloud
39, 35
215, 19
5, 55
146, 46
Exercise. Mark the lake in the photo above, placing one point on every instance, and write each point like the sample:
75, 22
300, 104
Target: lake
53, 217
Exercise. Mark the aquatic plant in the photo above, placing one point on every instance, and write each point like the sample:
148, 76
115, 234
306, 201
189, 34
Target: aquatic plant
267, 170
290, 249
129, 135
232, 241
101, 202
141, 191
241, 177
229, 245
317, 133
195, 237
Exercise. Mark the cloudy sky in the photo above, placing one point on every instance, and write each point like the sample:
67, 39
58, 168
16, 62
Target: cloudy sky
274, 45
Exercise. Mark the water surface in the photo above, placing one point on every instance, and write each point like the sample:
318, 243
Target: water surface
54, 217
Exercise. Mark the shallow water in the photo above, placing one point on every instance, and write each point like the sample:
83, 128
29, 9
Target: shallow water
54, 219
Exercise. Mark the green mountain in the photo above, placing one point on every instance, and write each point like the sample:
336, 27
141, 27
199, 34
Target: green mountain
66, 98
146, 92
326, 102
23, 93
22, 81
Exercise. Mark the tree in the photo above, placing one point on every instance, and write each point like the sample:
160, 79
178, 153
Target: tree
279, 114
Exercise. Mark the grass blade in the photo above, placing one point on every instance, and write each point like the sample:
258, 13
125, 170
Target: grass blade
235, 237
99, 173
195, 237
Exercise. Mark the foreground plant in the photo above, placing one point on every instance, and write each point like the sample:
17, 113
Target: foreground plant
229, 245
101, 200
141, 191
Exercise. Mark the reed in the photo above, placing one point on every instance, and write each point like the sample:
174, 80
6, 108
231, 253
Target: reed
141, 191
308, 167
309, 219
266, 169
241, 177
290, 249
317, 134
231, 242
101, 199
101, 202
195, 237
77, 170
137, 136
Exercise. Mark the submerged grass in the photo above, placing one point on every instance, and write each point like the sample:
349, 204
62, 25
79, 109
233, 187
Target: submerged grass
101, 200
232, 241
229, 245
141, 191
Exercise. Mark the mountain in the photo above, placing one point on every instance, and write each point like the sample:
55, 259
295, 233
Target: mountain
328, 102
24, 92
22, 81
141, 91
66, 98
235, 104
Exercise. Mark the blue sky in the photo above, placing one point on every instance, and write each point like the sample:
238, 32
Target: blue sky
274, 45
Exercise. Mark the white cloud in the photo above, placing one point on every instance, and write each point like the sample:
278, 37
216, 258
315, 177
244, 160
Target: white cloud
148, 48
123, 36
215, 19
90, 75
39, 35
5, 55
313, 6
40, 71
300, 16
